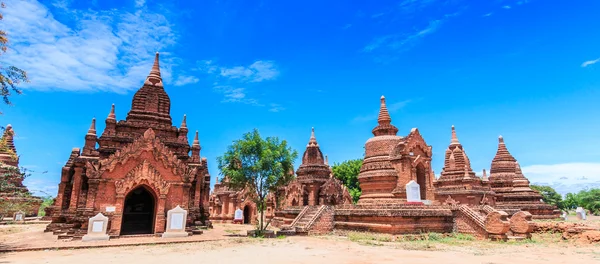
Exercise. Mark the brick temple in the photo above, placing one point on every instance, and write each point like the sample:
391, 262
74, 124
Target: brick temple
137, 170
14, 196
497, 207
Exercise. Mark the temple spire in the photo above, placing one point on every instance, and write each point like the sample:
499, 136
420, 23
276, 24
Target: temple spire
384, 126
112, 115
184, 123
384, 115
454, 140
92, 130
313, 140
154, 78
9, 138
196, 140
326, 160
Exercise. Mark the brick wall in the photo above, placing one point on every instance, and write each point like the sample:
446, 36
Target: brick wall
324, 223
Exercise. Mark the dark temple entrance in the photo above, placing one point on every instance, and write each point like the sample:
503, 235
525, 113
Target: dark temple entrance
138, 212
247, 214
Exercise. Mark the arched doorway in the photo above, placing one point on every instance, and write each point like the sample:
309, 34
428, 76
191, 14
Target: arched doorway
247, 214
138, 212
422, 180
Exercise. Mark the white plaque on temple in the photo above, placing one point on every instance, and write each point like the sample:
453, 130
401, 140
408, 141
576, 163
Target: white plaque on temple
96, 228
413, 192
110, 209
176, 219
239, 214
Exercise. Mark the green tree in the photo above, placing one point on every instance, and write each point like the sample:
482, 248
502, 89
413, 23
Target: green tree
260, 165
347, 172
571, 201
549, 195
10, 76
590, 200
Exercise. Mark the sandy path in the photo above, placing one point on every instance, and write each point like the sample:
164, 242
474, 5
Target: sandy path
307, 250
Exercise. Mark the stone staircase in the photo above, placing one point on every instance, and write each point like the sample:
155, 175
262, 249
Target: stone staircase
305, 219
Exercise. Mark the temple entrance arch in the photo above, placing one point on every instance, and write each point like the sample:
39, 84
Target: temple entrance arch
422, 180
247, 214
139, 210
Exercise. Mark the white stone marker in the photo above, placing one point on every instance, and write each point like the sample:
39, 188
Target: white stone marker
19, 216
239, 215
176, 219
97, 226
413, 192
580, 213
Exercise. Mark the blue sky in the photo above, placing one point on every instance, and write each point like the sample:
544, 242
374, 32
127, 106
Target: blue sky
526, 70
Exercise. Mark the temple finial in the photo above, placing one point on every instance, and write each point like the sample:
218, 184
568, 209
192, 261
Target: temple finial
112, 115
313, 139
92, 130
384, 115
500, 139
196, 140
454, 140
184, 123
326, 160
154, 77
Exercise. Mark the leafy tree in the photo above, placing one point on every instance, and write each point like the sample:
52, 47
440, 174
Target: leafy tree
588, 199
10, 76
549, 195
259, 165
571, 201
347, 172
48, 201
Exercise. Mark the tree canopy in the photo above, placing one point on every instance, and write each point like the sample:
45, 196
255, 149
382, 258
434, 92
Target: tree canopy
10, 76
259, 165
588, 199
347, 172
549, 195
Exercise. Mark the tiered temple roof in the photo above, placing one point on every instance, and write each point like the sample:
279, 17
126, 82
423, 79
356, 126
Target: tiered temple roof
9, 170
458, 180
313, 167
377, 175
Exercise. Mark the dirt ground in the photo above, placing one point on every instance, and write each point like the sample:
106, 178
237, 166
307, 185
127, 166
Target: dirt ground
354, 248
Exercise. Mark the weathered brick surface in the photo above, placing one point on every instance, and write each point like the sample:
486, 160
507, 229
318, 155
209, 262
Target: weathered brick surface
145, 150
324, 223
17, 194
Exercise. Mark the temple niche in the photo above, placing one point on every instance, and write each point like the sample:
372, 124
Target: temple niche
392, 161
315, 183
14, 196
512, 189
458, 181
137, 170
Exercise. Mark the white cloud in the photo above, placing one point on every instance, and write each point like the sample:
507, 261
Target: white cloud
506, 7
140, 3
257, 72
42, 184
276, 108
101, 50
235, 95
184, 80
590, 62
233, 82
488, 14
402, 42
565, 177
